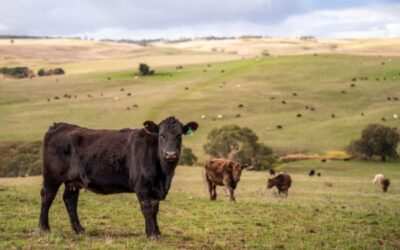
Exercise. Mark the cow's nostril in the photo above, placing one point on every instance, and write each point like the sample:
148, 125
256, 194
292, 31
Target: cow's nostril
170, 155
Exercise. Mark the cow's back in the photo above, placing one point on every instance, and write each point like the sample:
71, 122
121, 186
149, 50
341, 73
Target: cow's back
215, 170
87, 157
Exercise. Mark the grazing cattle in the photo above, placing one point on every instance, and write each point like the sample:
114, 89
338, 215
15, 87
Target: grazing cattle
333, 115
311, 173
222, 172
240, 106
279, 126
319, 174
299, 115
282, 182
272, 171
140, 161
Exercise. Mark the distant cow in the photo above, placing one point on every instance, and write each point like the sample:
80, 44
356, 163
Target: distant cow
140, 161
311, 173
222, 172
282, 182
272, 171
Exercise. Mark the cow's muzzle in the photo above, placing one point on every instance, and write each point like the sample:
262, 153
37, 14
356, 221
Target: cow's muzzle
171, 156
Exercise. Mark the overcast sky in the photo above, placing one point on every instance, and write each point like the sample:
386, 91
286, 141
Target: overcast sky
138, 19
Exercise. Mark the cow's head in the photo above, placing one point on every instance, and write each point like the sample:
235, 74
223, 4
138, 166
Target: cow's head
170, 133
270, 183
236, 169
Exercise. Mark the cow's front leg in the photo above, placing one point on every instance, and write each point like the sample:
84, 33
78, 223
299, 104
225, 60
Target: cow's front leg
150, 210
231, 190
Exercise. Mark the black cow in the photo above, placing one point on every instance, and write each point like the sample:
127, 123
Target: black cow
140, 161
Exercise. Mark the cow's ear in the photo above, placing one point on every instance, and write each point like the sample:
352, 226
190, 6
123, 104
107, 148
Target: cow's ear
151, 126
189, 128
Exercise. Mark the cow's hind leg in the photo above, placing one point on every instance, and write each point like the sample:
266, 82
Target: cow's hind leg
211, 190
48, 193
150, 210
214, 192
70, 197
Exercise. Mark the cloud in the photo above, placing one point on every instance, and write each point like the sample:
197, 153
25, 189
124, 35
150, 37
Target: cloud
374, 20
137, 19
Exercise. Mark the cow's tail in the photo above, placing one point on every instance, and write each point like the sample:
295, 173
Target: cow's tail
204, 179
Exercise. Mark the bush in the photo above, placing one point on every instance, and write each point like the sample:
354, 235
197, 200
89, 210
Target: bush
187, 157
58, 71
241, 144
144, 70
17, 72
41, 72
376, 141
26, 161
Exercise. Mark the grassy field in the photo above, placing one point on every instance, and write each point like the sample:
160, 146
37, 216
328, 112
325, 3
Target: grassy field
352, 214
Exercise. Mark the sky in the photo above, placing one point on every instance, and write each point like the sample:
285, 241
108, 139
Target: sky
174, 19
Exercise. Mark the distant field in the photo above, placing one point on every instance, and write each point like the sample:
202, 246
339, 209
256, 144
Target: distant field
282, 46
352, 214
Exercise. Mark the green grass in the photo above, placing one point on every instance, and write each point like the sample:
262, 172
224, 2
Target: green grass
353, 214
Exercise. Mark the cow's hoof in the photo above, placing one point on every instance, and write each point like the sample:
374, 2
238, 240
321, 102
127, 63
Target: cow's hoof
44, 229
79, 230
154, 237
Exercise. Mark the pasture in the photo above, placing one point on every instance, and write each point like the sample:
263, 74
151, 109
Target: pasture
315, 82
352, 214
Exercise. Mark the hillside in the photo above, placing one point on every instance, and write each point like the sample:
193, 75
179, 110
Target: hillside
321, 82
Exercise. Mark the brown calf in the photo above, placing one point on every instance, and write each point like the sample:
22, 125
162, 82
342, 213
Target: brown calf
222, 172
282, 182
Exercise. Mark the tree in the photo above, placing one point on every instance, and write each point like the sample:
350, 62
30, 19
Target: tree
187, 157
144, 69
241, 144
376, 140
